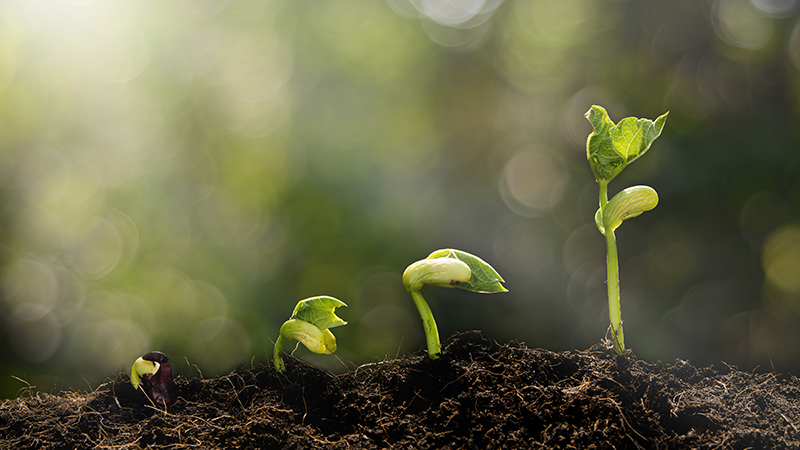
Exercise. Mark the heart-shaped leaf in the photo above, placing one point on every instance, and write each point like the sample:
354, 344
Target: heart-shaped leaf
611, 147
632, 137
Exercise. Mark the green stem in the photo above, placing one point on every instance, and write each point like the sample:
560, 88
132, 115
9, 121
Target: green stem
612, 265
614, 310
603, 193
280, 367
431, 332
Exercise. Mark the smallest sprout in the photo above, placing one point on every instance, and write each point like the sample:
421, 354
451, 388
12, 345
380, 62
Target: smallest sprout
152, 373
142, 368
309, 325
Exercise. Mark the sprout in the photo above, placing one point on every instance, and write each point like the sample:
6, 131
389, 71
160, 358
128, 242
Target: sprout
309, 325
609, 149
152, 373
447, 268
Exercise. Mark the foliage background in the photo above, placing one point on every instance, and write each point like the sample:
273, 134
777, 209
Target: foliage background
177, 175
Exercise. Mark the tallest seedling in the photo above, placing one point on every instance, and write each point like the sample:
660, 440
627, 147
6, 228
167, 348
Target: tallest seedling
610, 148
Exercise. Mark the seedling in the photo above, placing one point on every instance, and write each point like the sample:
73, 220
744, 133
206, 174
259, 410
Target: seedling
609, 149
309, 324
447, 268
152, 373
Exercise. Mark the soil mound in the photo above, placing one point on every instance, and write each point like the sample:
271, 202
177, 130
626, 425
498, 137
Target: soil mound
478, 395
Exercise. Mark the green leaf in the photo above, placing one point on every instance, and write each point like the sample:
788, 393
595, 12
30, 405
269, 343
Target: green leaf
611, 147
632, 137
484, 278
606, 162
319, 311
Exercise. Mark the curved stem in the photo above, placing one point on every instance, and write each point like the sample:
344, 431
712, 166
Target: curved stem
277, 360
431, 332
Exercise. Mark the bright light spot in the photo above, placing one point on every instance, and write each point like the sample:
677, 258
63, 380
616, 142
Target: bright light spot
453, 37
104, 244
451, 23
404, 8
454, 13
739, 24
777, 8
98, 249
781, 259
30, 286
532, 182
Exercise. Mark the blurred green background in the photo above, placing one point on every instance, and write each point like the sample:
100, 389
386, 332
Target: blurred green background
176, 175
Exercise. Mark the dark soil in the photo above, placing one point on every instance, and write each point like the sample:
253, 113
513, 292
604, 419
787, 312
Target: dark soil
479, 395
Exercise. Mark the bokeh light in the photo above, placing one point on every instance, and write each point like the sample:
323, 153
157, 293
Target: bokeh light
782, 265
739, 23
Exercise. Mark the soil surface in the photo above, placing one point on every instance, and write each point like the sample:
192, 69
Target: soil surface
478, 395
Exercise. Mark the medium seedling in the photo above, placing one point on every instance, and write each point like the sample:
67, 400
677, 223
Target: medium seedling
309, 324
447, 268
609, 149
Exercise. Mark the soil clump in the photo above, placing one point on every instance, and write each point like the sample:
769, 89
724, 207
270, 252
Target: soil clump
478, 395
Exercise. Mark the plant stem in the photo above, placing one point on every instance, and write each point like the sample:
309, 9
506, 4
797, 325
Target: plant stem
277, 360
603, 193
614, 310
612, 266
431, 332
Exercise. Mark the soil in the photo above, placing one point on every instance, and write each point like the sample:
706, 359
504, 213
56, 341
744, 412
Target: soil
478, 395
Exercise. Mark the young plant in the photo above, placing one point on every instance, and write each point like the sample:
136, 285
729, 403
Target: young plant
309, 324
609, 149
152, 373
447, 268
